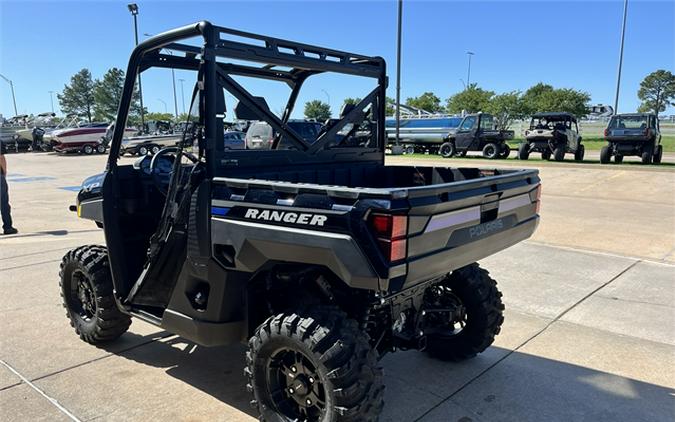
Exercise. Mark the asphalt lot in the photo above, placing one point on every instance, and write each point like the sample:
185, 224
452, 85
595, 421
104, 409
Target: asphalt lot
589, 331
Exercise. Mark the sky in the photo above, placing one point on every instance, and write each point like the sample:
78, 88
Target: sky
571, 44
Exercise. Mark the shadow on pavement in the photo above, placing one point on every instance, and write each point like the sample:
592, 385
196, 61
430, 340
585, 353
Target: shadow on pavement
521, 387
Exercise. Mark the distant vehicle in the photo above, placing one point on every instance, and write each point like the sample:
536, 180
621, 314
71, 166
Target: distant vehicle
477, 132
260, 134
633, 134
599, 111
234, 140
552, 133
85, 138
422, 131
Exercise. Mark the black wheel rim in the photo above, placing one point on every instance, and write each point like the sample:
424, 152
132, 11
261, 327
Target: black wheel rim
82, 296
295, 387
490, 151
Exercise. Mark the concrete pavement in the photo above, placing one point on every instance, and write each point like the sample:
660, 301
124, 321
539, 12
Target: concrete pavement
589, 331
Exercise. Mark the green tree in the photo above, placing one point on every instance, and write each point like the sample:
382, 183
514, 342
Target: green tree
78, 97
657, 91
318, 110
543, 97
350, 100
506, 108
427, 101
107, 94
389, 107
471, 100
159, 116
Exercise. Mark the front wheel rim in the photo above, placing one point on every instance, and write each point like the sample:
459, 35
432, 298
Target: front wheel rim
295, 387
82, 296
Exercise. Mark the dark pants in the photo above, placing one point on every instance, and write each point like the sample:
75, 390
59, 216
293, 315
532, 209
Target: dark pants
5, 209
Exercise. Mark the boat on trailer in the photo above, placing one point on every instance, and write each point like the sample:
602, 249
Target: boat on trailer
421, 131
87, 138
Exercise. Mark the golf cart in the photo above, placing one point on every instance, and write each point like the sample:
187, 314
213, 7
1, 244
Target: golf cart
317, 255
477, 132
633, 134
552, 133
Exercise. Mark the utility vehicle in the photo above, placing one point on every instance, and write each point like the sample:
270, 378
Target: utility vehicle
317, 254
477, 132
552, 133
633, 134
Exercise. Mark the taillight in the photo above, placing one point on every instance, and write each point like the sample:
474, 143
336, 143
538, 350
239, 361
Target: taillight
390, 231
538, 199
606, 132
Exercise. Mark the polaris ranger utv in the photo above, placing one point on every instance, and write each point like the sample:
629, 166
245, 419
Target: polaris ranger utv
552, 133
633, 134
317, 254
477, 132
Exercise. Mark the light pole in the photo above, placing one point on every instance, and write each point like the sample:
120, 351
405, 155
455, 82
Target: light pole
173, 81
398, 77
182, 93
618, 76
51, 99
11, 85
468, 75
133, 8
327, 96
166, 110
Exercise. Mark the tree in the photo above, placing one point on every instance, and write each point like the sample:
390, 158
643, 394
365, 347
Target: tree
389, 107
543, 97
107, 94
427, 101
506, 108
159, 116
471, 100
317, 110
78, 97
657, 91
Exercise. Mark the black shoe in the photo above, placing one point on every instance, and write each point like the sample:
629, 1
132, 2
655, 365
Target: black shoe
11, 230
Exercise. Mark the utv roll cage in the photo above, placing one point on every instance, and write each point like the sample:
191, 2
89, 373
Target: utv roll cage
282, 60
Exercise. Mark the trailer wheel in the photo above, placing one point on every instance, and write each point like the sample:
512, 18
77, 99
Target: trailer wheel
447, 149
479, 318
524, 151
605, 154
87, 294
154, 149
100, 149
559, 153
313, 364
647, 155
88, 149
491, 151
579, 153
659, 155
142, 151
618, 158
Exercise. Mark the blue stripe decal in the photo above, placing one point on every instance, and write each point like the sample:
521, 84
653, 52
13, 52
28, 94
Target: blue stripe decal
219, 210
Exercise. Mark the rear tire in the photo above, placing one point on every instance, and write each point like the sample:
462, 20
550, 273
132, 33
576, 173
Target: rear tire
579, 153
484, 311
524, 151
659, 155
333, 371
605, 155
87, 294
647, 155
447, 149
559, 154
506, 150
491, 151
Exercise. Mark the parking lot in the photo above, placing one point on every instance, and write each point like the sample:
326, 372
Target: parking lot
589, 331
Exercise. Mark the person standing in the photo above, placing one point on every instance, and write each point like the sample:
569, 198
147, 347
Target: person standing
5, 209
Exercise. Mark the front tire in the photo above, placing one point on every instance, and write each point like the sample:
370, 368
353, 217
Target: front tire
483, 315
315, 365
447, 149
659, 155
647, 155
559, 154
506, 150
87, 294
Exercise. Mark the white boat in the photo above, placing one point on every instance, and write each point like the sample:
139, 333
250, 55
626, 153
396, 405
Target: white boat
43, 120
87, 138
142, 145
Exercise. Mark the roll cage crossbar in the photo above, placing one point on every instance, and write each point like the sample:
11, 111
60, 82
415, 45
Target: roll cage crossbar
285, 61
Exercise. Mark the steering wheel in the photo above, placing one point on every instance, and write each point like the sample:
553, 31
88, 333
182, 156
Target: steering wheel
158, 178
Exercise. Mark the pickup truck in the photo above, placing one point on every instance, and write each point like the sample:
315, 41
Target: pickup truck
316, 254
477, 132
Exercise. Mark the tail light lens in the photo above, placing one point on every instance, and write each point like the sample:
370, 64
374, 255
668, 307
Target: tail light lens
606, 132
537, 197
390, 231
